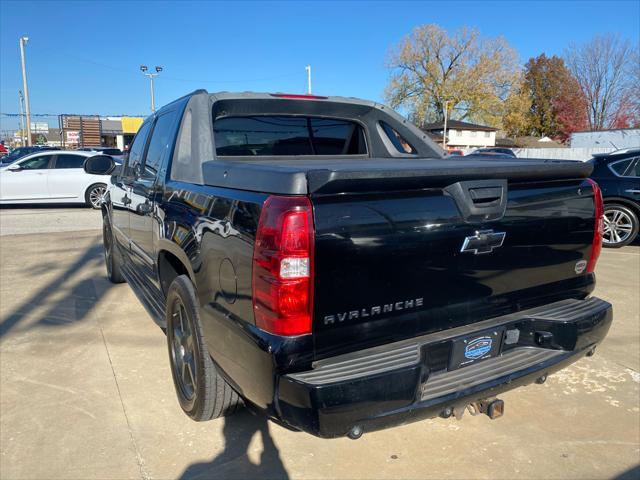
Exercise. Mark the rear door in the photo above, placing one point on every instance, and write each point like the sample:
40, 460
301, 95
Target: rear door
67, 179
29, 182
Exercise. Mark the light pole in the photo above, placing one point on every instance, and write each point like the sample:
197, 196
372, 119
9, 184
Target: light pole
444, 132
21, 118
143, 69
308, 69
23, 42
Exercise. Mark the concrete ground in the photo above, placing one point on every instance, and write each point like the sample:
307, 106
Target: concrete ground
86, 392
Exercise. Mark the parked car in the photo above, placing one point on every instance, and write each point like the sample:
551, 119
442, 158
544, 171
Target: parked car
22, 152
116, 153
51, 176
618, 174
494, 151
455, 153
302, 262
3, 150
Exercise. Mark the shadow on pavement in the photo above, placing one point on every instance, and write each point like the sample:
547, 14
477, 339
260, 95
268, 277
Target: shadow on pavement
44, 206
81, 297
631, 474
234, 462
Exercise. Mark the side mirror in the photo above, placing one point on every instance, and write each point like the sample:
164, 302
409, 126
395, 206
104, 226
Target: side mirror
14, 168
99, 165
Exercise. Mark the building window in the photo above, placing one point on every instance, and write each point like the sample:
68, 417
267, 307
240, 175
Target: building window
474, 133
487, 134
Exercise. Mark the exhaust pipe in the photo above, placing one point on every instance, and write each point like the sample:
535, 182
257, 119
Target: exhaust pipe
491, 407
355, 432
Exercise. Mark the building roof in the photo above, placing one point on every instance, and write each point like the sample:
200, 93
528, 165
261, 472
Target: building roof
457, 125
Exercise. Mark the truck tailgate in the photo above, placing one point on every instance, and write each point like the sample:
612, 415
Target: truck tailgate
394, 264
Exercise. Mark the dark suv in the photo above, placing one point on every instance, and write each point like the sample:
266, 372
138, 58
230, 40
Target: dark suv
618, 174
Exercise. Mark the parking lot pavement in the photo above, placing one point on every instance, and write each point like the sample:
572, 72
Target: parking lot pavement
86, 392
25, 219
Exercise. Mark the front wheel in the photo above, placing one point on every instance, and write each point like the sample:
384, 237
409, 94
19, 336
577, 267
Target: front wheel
202, 392
620, 225
111, 254
94, 196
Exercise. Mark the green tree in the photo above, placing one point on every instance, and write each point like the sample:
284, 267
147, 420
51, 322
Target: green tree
472, 75
516, 121
557, 103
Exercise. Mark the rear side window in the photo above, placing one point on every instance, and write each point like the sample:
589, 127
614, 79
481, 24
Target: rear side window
112, 151
69, 161
621, 167
287, 135
397, 140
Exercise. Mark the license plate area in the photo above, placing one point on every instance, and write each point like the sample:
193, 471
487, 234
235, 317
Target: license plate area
475, 348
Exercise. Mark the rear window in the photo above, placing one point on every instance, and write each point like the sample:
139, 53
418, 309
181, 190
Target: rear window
287, 135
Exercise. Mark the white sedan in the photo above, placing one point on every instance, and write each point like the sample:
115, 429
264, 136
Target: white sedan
53, 176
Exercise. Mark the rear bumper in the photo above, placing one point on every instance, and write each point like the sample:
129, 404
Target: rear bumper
409, 381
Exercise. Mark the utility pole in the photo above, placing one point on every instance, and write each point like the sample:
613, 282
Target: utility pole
23, 42
21, 118
143, 69
308, 69
444, 132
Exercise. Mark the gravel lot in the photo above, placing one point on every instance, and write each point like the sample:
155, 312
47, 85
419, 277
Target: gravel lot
86, 392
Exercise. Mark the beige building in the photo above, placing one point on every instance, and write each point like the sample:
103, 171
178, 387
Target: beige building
462, 135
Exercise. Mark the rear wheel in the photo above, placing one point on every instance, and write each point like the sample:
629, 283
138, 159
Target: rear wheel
620, 225
202, 392
94, 196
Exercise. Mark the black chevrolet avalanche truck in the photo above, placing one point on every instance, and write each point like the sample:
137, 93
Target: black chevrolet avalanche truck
320, 261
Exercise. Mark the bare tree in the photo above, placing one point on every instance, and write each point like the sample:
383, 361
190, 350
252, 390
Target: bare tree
471, 74
604, 68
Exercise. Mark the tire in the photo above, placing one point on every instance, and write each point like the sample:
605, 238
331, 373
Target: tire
112, 258
202, 392
94, 195
620, 225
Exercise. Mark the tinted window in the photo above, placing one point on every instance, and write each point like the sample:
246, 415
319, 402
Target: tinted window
398, 141
70, 161
37, 163
621, 167
635, 170
112, 151
161, 141
137, 150
287, 135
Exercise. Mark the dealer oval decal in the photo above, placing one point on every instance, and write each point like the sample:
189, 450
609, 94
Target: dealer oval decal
478, 347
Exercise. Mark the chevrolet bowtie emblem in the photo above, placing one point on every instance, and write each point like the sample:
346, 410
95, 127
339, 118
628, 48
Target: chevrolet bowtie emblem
484, 241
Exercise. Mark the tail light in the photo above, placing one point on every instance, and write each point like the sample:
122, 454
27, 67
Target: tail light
598, 229
283, 266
